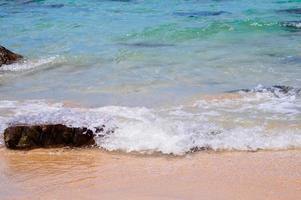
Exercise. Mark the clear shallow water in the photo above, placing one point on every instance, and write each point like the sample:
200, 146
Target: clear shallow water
158, 59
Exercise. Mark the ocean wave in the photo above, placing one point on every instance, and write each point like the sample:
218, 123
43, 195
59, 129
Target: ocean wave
244, 120
276, 90
292, 24
28, 64
173, 33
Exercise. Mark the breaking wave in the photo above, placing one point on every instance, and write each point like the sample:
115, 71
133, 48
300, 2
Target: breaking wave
28, 64
292, 24
259, 118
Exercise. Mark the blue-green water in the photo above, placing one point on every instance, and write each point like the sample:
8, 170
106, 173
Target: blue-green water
159, 54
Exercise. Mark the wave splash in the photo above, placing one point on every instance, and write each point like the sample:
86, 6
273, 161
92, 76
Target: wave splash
259, 118
28, 64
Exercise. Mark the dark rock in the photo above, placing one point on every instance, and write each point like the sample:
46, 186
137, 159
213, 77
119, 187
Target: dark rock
56, 5
276, 90
3, 4
7, 57
198, 148
47, 135
283, 89
291, 11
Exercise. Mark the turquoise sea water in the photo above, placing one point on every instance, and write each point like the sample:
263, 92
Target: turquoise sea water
157, 59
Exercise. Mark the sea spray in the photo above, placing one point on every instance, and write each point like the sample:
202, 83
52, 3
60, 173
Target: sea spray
28, 64
257, 119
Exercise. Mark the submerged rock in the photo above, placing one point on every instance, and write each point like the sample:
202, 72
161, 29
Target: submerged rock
201, 13
147, 45
56, 5
48, 135
7, 57
291, 11
198, 148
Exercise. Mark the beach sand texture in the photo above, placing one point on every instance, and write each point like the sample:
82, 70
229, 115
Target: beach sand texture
95, 174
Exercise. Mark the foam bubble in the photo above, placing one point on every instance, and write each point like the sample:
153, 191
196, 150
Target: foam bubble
28, 64
240, 121
292, 24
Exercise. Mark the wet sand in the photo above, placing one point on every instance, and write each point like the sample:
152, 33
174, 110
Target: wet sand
95, 174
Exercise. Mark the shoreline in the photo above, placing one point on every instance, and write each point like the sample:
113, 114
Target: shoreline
97, 174
150, 100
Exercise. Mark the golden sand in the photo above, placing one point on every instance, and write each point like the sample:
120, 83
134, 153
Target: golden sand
95, 174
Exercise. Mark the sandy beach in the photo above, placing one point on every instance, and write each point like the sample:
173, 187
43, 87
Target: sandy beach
95, 174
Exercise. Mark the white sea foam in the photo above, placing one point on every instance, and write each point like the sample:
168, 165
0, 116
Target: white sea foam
241, 121
28, 64
295, 24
